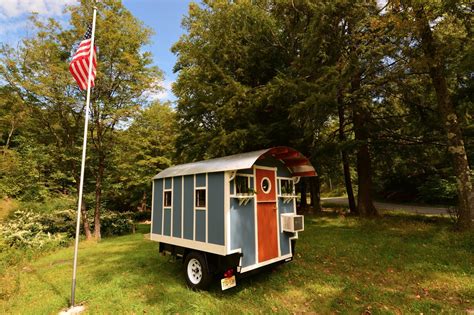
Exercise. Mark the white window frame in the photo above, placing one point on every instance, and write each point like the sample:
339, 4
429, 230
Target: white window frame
249, 177
205, 187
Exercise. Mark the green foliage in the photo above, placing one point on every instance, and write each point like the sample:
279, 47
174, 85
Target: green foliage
113, 223
228, 97
145, 148
42, 112
438, 190
142, 216
41, 230
27, 229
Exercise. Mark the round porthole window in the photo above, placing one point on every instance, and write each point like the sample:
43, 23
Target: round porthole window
266, 185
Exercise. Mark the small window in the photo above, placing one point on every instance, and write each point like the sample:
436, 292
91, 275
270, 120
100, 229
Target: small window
286, 187
167, 200
266, 185
201, 198
241, 184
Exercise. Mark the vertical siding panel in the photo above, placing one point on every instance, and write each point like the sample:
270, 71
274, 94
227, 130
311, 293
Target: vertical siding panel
157, 206
188, 207
201, 180
284, 236
242, 236
215, 208
200, 225
177, 206
167, 225
168, 181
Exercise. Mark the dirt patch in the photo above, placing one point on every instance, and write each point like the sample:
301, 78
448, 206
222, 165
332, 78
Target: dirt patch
7, 205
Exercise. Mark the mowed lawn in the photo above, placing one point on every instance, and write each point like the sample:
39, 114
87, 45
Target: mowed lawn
398, 264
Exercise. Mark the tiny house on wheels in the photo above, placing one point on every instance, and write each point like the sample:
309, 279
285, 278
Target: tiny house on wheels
229, 215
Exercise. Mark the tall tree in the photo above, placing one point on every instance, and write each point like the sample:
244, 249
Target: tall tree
438, 36
142, 150
38, 72
124, 74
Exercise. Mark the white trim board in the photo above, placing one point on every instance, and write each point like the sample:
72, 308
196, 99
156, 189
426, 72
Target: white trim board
182, 206
152, 204
206, 247
266, 262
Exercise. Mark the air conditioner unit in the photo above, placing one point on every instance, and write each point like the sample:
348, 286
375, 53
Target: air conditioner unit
292, 222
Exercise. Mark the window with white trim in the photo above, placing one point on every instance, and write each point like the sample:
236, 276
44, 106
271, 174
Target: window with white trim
266, 185
167, 198
286, 187
242, 184
200, 198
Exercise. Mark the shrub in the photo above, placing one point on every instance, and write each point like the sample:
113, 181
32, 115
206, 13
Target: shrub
438, 190
113, 223
142, 216
26, 230
29, 229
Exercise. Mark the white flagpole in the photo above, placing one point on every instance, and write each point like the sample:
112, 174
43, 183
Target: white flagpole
83, 162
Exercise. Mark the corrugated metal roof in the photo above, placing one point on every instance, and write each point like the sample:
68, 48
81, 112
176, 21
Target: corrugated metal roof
242, 161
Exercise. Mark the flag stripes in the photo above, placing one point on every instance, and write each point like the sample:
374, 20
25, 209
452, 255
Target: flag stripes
79, 66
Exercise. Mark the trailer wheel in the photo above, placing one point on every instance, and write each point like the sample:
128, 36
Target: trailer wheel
197, 271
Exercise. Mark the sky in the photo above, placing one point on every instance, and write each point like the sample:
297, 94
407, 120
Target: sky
163, 16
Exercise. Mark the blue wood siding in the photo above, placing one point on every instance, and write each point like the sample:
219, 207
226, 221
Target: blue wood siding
188, 223
177, 206
242, 221
200, 180
284, 236
200, 225
215, 208
157, 206
167, 223
168, 183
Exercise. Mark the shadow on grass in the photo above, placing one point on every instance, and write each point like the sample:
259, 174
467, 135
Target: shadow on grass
52, 287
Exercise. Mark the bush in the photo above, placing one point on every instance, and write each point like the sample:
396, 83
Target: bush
27, 230
142, 216
438, 190
113, 223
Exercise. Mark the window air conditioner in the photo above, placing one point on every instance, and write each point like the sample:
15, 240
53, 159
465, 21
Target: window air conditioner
292, 222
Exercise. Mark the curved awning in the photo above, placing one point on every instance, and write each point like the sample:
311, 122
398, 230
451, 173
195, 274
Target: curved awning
297, 163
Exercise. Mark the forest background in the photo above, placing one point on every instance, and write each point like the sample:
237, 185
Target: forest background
379, 97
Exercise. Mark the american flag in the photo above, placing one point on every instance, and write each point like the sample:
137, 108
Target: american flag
79, 66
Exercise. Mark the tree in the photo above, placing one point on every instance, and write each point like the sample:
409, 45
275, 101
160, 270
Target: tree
437, 37
142, 150
229, 94
37, 72
125, 73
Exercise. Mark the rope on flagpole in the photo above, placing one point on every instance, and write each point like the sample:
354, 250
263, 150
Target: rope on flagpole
83, 162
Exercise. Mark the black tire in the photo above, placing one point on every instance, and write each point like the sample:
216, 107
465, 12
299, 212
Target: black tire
196, 271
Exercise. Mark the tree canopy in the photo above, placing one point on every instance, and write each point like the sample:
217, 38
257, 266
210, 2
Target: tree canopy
377, 94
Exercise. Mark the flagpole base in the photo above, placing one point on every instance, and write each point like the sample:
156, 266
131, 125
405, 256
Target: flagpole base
77, 309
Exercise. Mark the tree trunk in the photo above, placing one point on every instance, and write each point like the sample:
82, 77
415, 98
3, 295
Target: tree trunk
447, 111
10, 134
365, 204
315, 191
345, 158
98, 196
85, 222
142, 207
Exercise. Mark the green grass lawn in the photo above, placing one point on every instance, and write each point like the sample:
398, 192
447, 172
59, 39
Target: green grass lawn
398, 264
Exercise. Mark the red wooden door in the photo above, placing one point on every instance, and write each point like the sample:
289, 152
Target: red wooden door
266, 214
